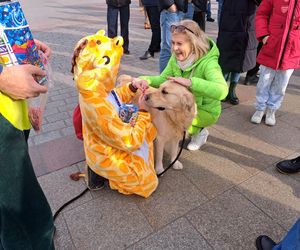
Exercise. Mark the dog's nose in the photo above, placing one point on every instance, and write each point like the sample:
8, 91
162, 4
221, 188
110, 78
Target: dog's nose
147, 97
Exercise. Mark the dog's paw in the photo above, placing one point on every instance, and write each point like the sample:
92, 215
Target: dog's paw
178, 165
159, 169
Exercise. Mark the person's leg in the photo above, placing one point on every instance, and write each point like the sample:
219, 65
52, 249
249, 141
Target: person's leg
278, 87
220, 5
290, 241
198, 129
112, 21
199, 17
124, 21
190, 12
93, 180
251, 76
262, 93
25, 215
166, 20
234, 78
276, 94
263, 87
208, 13
153, 13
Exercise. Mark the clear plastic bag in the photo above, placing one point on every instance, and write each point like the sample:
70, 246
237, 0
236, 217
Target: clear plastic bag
36, 105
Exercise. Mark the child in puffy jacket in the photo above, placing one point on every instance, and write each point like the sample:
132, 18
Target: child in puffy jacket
277, 25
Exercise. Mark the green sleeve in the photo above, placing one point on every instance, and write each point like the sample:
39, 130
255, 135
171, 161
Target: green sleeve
156, 81
212, 85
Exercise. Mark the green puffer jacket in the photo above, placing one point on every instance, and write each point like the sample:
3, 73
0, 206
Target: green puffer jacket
208, 84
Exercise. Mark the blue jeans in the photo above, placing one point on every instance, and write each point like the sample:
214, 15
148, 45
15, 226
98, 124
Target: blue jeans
271, 87
208, 11
190, 12
234, 77
220, 5
291, 240
167, 18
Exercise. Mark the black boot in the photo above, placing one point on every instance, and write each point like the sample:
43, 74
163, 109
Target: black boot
231, 97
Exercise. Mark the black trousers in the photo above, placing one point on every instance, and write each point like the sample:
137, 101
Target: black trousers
199, 17
254, 71
154, 18
112, 22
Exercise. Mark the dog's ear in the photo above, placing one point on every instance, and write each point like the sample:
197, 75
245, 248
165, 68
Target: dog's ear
76, 53
188, 102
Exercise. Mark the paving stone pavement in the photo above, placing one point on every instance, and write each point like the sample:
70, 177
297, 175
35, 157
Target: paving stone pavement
228, 192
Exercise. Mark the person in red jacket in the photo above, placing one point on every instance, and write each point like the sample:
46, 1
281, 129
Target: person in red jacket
277, 25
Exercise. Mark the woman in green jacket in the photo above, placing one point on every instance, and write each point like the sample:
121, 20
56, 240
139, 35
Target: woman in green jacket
194, 64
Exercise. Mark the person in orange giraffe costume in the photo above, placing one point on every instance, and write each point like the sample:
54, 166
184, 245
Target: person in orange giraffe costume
118, 151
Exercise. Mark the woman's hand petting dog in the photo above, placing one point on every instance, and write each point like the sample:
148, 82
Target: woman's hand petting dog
140, 84
182, 81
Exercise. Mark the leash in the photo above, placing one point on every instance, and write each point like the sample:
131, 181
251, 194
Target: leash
85, 190
69, 202
178, 155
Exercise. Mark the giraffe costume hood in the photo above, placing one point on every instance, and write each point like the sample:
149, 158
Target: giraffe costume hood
118, 151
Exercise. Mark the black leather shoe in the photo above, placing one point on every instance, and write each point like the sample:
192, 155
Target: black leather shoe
251, 79
264, 242
209, 19
147, 55
291, 166
126, 52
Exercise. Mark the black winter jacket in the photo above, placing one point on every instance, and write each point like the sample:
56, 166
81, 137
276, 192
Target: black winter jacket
236, 39
150, 2
118, 3
180, 4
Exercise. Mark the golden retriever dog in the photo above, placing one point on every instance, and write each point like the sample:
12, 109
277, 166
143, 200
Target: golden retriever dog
172, 107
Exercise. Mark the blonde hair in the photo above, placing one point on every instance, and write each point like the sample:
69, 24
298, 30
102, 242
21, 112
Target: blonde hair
199, 40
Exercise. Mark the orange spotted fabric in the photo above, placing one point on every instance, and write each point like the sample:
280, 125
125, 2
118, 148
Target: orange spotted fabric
115, 150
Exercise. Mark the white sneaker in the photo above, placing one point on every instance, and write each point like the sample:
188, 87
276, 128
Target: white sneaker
270, 117
198, 140
257, 116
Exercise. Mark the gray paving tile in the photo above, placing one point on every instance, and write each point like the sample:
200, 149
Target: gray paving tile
276, 194
46, 137
57, 117
232, 120
249, 152
59, 188
212, 173
283, 135
230, 221
62, 238
110, 222
177, 235
174, 197
291, 117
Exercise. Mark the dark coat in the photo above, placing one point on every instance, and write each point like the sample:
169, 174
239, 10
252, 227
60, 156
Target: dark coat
236, 39
200, 5
275, 18
180, 4
118, 3
150, 2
